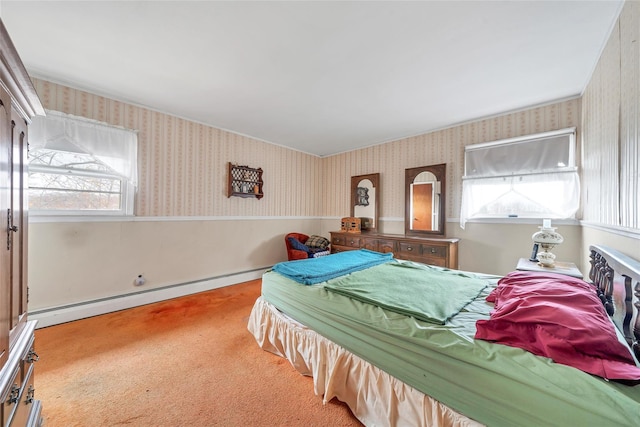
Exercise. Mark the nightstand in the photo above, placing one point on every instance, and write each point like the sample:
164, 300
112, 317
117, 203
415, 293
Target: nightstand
566, 268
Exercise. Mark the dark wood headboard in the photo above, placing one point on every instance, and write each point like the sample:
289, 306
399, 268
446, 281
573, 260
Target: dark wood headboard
617, 278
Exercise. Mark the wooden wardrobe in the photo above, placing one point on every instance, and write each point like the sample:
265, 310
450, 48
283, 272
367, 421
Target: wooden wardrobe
19, 103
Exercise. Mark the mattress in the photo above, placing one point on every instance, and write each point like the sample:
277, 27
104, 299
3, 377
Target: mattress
374, 397
490, 383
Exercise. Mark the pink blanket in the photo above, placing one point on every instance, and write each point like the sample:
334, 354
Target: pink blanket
558, 317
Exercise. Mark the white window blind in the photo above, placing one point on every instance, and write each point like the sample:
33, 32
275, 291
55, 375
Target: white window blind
532, 177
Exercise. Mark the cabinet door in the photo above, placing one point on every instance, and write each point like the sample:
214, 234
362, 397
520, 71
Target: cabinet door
19, 222
5, 206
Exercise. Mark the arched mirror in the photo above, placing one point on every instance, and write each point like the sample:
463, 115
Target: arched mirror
365, 200
425, 200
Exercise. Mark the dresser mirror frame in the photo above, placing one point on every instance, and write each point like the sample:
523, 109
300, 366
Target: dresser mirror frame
438, 196
365, 189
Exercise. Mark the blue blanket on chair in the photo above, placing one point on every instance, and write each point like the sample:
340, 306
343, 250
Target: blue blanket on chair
315, 270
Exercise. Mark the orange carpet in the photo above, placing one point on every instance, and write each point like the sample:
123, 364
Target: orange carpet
184, 362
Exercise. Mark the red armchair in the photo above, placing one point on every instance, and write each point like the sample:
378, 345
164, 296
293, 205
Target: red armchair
294, 253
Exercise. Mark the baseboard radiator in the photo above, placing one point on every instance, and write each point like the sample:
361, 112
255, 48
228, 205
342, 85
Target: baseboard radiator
68, 313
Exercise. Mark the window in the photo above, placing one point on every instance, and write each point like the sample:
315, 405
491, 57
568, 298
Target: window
530, 177
80, 167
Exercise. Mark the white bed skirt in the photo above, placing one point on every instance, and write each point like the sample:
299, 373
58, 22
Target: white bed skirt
374, 397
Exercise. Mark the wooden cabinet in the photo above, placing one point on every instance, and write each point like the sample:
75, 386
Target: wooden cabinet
432, 251
244, 181
18, 104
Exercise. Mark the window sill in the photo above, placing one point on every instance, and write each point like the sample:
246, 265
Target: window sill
516, 220
42, 218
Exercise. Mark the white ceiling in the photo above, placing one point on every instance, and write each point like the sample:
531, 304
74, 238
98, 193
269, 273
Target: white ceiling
319, 77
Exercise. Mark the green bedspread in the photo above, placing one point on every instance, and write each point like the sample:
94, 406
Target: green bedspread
494, 384
411, 289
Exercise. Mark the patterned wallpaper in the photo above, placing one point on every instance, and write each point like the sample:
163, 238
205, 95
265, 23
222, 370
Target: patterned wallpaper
611, 128
630, 116
443, 146
183, 165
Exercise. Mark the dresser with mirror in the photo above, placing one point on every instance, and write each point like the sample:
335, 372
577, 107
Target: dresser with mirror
424, 239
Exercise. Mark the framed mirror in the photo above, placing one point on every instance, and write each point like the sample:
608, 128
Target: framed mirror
425, 200
365, 200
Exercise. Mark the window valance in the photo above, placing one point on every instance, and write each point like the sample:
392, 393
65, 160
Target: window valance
115, 147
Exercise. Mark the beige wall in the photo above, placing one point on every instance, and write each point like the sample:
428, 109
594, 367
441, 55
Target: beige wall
620, 239
73, 262
495, 248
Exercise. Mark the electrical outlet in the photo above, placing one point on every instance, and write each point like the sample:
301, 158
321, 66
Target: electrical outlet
140, 280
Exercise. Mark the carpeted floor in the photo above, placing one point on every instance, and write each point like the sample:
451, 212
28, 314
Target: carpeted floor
184, 362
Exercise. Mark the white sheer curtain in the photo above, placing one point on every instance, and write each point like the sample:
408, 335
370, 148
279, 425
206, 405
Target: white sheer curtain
552, 195
530, 177
115, 147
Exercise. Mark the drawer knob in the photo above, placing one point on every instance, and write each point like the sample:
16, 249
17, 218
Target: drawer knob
14, 394
433, 250
409, 248
32, 356
31, 394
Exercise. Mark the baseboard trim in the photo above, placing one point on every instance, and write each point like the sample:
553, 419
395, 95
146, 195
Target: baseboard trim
68, 313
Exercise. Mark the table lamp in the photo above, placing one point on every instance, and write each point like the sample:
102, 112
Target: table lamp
547, 238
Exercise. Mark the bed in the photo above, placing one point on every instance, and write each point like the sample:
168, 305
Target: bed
400, 367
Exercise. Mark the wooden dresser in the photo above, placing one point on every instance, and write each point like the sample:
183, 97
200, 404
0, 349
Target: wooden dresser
433, 251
